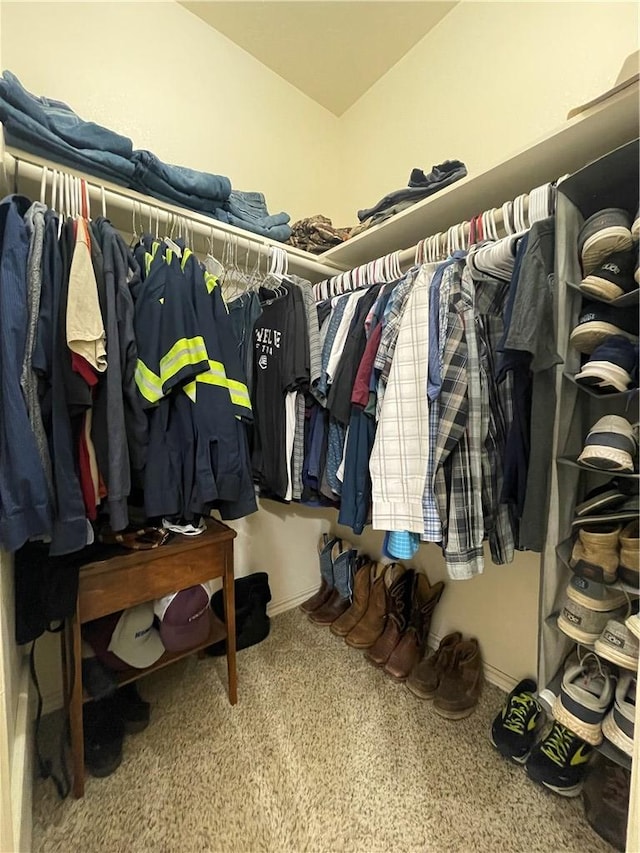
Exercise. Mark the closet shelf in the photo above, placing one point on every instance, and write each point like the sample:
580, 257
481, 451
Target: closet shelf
576, 142
573, 462
618, 395
120, 210
627, 299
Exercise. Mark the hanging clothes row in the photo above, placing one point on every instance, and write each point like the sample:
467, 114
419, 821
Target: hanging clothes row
121, 382
426, 415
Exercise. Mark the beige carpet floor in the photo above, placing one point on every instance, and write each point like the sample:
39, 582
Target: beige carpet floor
322, 753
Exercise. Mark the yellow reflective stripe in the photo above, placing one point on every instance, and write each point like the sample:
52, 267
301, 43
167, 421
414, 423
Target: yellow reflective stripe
216, 375
149, 256
185, 257
211, 281
190, 390
148, 382
239, 393
184, 352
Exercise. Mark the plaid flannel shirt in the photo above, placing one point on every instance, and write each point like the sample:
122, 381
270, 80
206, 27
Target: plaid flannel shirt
458, 455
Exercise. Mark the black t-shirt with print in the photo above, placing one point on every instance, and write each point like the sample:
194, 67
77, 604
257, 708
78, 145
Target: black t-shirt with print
281, 364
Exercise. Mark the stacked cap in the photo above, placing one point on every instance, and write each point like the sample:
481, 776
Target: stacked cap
185, 618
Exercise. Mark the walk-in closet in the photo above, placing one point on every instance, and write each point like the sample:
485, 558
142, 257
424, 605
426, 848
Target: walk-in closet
319, 428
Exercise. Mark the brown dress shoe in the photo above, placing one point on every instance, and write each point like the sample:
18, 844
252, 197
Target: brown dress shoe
361, 588
369, 628
425, 676
459, 689
399, 610
412, 644
328, 612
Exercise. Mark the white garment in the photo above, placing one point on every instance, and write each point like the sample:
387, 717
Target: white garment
85, 329
341, 335
398, 463
290, 403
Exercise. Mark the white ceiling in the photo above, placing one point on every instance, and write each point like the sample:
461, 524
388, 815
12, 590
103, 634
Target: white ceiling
332, 50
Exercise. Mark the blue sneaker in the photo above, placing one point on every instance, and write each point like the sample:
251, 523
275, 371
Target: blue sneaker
612, 366
599, 321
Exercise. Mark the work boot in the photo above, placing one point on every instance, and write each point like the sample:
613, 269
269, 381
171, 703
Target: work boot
629, 568
343, 559
426, 675
413, 643
398, 613
460, 686
325, 546
362, 581
372, 624
595, 553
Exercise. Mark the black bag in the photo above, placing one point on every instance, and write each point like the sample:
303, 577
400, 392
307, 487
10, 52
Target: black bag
252, 623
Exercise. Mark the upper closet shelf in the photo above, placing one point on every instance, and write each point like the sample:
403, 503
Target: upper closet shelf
127, 208
577, 142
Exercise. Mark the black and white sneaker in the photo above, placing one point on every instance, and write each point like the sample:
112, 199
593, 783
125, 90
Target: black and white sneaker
559, 761
611, 445
599, 321
613, 278
514, 729
605, 232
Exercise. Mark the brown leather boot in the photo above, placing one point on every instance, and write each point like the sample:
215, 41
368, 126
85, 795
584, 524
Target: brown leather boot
369, 628
425, 676
412, 644
398, 613
361, 587
459, 689
325, 546
328, 612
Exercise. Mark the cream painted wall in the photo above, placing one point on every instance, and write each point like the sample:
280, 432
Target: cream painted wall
488, 80
157, 73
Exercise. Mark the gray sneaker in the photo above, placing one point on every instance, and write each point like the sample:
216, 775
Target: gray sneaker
618, 725
618, 645
587, 608
585, 697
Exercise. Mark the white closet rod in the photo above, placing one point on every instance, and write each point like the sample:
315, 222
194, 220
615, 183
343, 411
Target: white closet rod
521, 213
20, 165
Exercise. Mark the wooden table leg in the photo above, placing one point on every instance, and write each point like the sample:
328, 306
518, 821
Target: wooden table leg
230, 621
75, 709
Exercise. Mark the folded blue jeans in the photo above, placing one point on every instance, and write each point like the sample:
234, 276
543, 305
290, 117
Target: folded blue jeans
280, 233
152, 173
24, 132
61, 120
252, 207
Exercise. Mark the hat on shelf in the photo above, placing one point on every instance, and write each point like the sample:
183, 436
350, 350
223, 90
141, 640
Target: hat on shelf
185, 617
125, 639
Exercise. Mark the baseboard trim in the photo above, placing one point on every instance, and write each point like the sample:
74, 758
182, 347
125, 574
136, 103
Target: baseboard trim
293, 601
22, 763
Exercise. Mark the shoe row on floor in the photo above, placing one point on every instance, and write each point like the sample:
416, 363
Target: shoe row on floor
386, 610
607, 331
554, 756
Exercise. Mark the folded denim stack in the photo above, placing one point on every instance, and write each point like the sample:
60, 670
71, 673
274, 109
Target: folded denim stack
419, 186
199, 191
51, 129
317, 234
248, 210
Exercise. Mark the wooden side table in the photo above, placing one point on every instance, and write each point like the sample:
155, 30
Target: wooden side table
130, 579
